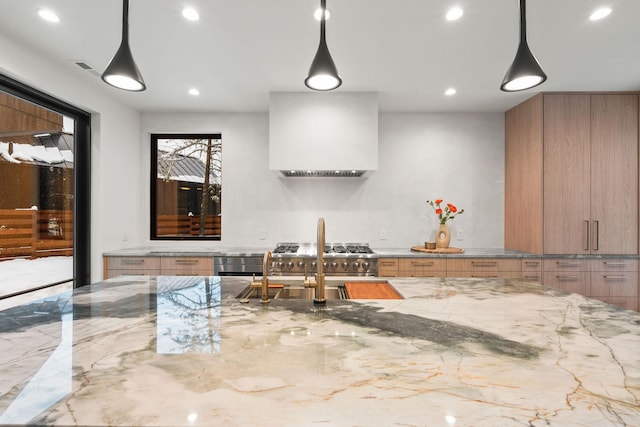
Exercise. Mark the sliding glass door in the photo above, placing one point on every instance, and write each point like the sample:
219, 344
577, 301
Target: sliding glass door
43, 216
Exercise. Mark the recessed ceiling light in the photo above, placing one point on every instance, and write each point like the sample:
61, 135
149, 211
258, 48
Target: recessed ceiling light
190, 14
193, 91
48, 15
454, 14
598, 14
450, 91
318, 14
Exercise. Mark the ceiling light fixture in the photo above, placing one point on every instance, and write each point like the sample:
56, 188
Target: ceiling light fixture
190, 14
48, 15
525, 71
318, 14
598, 14
193, 91
454, 14
122, 72
323, 74
449, 92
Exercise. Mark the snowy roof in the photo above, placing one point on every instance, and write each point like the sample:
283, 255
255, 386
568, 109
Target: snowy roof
182, 168
45, 150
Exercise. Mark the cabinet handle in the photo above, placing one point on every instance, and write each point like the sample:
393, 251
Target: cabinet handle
484, 263
419, 264
586, 233
568, 277
615, 263
388, 264
567, 264
615, 277
596, 235
187, 261
532, 263
132, 261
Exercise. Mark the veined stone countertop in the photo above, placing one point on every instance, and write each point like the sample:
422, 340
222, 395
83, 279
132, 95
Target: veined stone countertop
380, 252
183, 351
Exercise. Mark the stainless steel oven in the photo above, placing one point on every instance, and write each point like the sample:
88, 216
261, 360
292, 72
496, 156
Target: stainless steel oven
240, 265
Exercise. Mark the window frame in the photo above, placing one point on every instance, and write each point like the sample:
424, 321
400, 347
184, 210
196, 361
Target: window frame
153, 199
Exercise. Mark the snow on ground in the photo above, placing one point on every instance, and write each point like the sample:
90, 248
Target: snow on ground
22, 274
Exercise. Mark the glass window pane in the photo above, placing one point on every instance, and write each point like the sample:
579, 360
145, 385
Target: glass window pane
186, 186
36, 196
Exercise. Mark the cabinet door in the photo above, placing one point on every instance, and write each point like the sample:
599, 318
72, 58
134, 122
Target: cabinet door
566, 173
422, 267
614, 174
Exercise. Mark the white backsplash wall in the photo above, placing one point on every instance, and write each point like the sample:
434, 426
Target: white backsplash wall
456, 157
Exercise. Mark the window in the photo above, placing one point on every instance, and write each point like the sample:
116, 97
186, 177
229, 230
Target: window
186, 186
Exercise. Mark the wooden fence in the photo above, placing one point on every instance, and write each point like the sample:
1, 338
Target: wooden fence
183, 225
35, 234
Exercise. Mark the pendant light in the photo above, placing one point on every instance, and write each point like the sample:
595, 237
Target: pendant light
323, 74
525, 71
122, 72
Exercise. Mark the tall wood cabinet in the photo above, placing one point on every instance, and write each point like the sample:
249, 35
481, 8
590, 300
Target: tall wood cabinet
571, 174
571, 188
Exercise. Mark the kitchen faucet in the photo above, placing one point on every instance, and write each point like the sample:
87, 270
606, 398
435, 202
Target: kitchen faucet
320, 285
266, 263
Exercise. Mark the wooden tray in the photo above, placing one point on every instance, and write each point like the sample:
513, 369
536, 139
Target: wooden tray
371, 290
437, 250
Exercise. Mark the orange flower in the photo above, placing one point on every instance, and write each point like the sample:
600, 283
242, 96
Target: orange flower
448, 213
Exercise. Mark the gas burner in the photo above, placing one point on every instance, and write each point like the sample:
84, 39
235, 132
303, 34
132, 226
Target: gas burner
286, 249
335, 249
359, 249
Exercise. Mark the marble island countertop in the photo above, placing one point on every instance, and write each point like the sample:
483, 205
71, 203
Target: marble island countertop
184, 351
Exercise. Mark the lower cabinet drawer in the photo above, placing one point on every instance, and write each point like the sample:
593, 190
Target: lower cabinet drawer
422, 267
614, 284
614, 264
484, 267
186, 266
115, 273
572, 281
531, 270
388, 267
566, 264
132, 263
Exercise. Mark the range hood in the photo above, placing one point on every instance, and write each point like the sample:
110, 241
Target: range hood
323, 134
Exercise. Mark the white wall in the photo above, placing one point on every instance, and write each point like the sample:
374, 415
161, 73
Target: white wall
115, 145
456, 157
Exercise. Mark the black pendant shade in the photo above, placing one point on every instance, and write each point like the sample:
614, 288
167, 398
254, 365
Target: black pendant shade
323, 74
122, 72
525, 71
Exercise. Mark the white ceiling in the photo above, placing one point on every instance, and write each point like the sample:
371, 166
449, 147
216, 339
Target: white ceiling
240, 50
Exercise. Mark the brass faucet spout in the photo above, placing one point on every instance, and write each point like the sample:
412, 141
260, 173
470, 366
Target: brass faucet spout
266, 263
320, 285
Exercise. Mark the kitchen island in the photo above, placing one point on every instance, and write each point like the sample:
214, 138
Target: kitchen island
184, 351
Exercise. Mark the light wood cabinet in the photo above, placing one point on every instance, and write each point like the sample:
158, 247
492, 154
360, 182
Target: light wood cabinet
155, 266
186, 266
422, 267
615, 281
531, 269
118, 266
571, 174
388, 267
483, 267
569, 275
